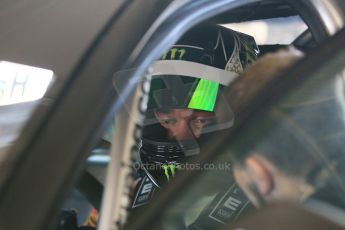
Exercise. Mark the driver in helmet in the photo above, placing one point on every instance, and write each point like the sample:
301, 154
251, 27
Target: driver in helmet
186, 91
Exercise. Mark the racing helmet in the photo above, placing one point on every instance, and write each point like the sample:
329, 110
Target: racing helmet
186, 87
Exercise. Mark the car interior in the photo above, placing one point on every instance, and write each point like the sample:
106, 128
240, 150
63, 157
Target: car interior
89, 188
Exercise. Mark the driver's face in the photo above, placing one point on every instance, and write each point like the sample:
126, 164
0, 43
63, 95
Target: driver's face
184, 124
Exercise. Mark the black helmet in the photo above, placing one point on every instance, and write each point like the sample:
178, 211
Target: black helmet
186, 83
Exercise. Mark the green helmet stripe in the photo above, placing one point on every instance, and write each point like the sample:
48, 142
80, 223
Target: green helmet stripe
204, 96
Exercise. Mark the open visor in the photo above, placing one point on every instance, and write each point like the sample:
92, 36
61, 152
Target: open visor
180, 84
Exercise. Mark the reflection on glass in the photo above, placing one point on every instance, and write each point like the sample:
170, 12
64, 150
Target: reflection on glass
22, 83
290, 150
20, 88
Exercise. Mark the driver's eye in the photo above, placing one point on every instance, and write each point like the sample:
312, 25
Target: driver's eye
200, 121
169, 121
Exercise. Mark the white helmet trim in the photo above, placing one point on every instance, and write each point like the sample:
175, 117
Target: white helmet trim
193, 69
